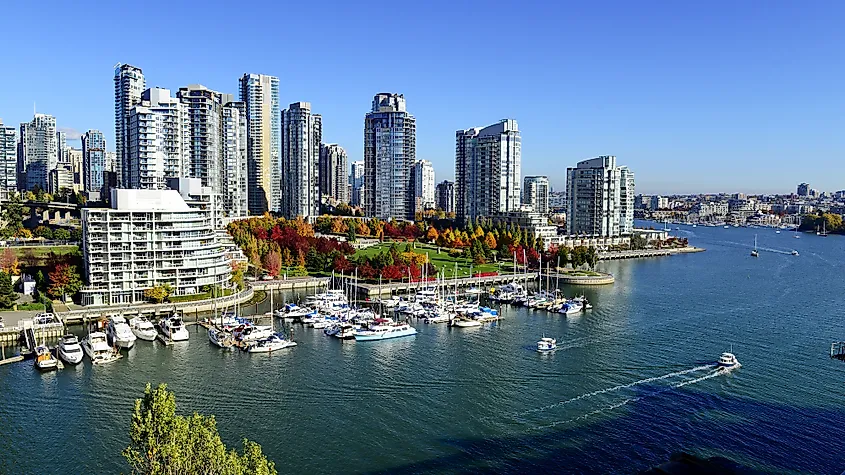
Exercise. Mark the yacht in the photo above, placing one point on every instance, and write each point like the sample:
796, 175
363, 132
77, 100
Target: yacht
44, 360
97, 348
174, 328
466, 322
119, 333
143, 329
346, 331
546, 344
274, 342
221, 338
571, 307
293, 310
728, 362
251, 333
45, 318
69, 349
384, 332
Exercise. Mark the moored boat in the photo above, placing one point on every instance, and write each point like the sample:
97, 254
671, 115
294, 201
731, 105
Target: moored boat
70, 351
276, 341
143, 329
97, 348
385, 332
174, 328
120, 333
44, 359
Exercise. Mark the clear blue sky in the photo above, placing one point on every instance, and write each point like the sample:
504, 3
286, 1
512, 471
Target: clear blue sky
693, 96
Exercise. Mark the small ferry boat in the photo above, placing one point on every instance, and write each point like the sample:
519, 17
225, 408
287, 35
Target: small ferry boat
728, 362
546, 344
44, 359
143, 329
274, 342
119, 333
384, 332
794, 252
69, 349
174, 328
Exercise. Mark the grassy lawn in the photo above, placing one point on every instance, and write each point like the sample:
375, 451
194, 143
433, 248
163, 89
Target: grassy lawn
441, 261
42, 251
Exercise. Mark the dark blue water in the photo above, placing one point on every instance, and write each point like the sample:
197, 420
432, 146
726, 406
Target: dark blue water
628, 386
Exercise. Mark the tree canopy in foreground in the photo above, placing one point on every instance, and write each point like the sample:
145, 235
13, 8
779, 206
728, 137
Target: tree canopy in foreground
164, 443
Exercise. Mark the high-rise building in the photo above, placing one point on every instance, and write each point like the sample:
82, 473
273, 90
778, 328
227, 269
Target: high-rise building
74, 158
111, 161
235, 188
260, 93
8, 158
93, 160
356, 183
60, 178
302, 133
61, 147
333, 178
37, 152
129, 85
804, 189
446, 196
390, 141
205, 113
557, 200
423, 174
535, 193
600, 198
487, 170
159, 137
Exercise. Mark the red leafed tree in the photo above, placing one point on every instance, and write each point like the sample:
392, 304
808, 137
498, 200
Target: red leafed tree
261, 234
392, 272
273, 263
533, 257
342, 264
366, 271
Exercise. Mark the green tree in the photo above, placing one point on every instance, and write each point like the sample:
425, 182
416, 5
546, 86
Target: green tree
43, 232
159, 293
13, 212
591, 257
7, 294
61, 234
40, 281
638, 241
164, 443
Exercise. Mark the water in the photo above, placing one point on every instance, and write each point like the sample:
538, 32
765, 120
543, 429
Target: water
629, 385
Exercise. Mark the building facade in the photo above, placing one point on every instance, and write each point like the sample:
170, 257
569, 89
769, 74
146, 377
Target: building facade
535, 193
423, 185
302, 134
61, 147
260, 93
356, 183
600, 198
93, 160
803, 189
60, 178
235, 202
37, 152
487, 170
390, 141
334, 181
445, 196
74, 158
129, 85
8, 158
159, 140
146, 239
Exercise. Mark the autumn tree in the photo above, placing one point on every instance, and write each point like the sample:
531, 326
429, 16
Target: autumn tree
9, 262
490, 241
159, 293
64, 280
163, 443
431, 235
273, 263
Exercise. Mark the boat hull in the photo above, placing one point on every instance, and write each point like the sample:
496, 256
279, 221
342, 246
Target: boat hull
271, 348
383, 335
145, 335
71, 358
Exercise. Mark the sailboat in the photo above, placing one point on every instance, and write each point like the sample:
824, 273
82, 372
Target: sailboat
824, 229
754, 252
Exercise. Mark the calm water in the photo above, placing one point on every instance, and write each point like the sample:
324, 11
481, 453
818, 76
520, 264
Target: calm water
627, 387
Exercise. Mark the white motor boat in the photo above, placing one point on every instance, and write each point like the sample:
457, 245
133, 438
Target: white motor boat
44, 359
546, 344
293, 310
441, 317
728, 362
174, 328
97, 348
221, 338
143, 329
252, 333
571, 307
381, 331
119, 333
70, 351
794, 252
272, 343
466, 322
346, 331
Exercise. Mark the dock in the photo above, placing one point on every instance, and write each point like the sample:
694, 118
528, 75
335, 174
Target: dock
642, 253
370, 290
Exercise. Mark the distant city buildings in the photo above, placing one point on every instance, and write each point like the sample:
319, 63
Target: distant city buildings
600, 198
37, 152
535, 193
389, 155
487, 170
8, 158
235, 191
445, 196
557, 200
129, 85
302, 134
74, 158
423, 177
334, 182
159, 135
93, 160
803, 189
260, 93
356, 183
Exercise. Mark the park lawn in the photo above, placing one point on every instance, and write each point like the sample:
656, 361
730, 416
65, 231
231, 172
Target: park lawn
42, 251
442, 261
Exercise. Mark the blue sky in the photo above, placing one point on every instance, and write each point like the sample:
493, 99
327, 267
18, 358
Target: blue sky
693, 96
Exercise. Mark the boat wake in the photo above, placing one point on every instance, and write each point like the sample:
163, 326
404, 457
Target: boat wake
759, 248
612, 389
611, 407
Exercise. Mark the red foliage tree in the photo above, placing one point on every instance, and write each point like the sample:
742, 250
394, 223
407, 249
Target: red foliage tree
366, 271
392, 272
273, 263
342, 264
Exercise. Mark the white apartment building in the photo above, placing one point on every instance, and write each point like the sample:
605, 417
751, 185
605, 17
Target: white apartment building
159, 140
334, 181
424, 185
8, 158
234, 201
148, 238
390, 150
600, 198
535, 193
129, 85
37, 152
487, 170
260, 93
302, 133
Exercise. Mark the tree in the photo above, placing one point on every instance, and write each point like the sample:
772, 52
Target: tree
64, 280
43, 232
13, 212
7, 294
591, 257
163, 443
638, 241
490, 240
391, 272
61, 234
238, 269
9, 262
431, 235
273, 263
159, 293
341, 264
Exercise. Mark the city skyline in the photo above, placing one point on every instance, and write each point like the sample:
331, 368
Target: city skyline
684, 109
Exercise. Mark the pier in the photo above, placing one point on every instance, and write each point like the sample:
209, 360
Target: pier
291, 283
370, 290
641, 253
